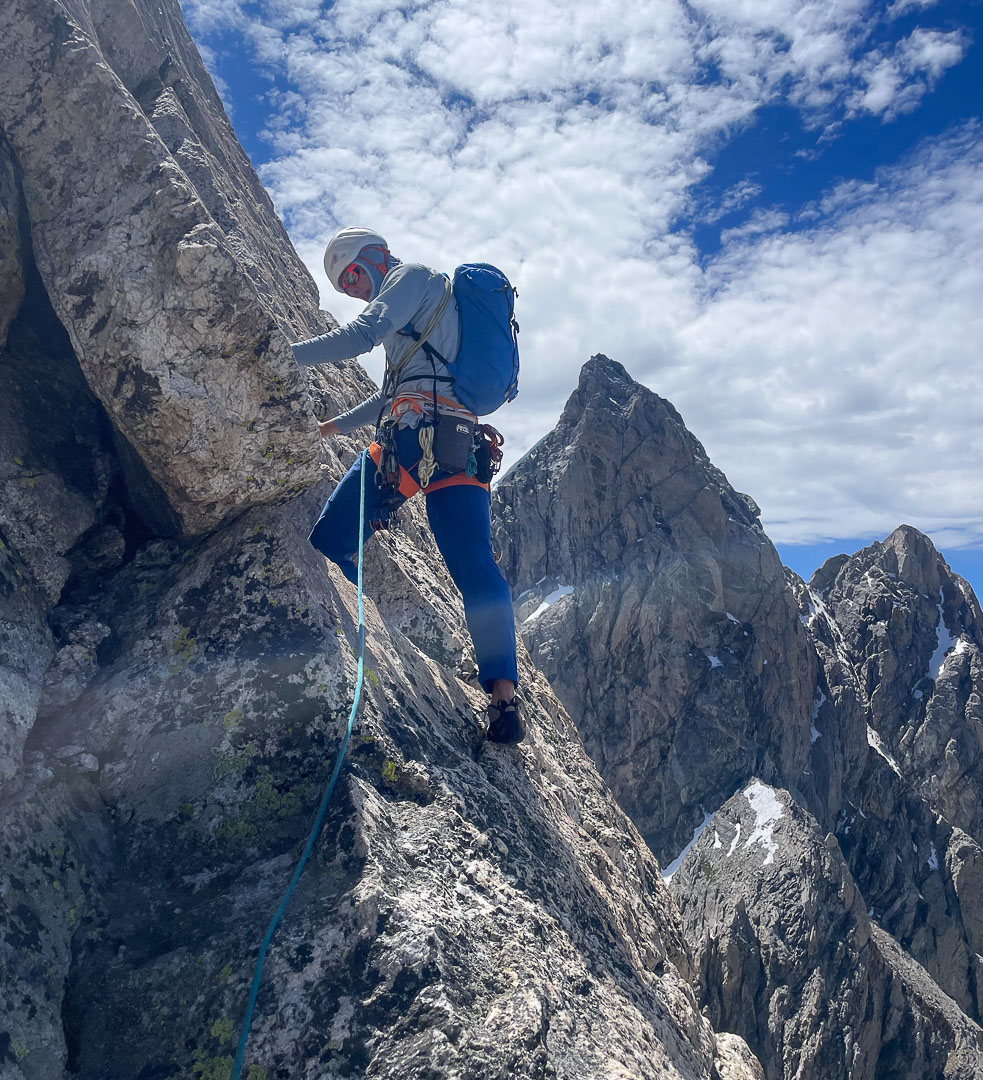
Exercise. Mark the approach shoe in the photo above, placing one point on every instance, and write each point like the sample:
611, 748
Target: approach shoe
505, 724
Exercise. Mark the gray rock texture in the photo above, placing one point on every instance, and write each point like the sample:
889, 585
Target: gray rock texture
679, 647
492, 916
898, 635
55, 474
789, 958
647, 593
145, 385
11, 244
169, 330
178, 664
912, 631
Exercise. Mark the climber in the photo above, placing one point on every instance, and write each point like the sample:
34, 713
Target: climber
403, 298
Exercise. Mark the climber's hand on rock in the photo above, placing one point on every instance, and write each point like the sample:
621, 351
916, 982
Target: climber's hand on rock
329, 427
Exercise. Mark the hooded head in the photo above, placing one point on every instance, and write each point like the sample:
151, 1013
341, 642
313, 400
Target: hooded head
360, 247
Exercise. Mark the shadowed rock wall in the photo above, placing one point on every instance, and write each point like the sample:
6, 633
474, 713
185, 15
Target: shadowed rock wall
647, 592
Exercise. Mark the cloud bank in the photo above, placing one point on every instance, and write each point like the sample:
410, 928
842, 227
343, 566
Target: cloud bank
827, 357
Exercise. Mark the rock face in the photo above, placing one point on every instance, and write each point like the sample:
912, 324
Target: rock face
494, 917
177, 664
169, 329
673, 635
899, 636
790, 959
912, 631
648, 594
145, 385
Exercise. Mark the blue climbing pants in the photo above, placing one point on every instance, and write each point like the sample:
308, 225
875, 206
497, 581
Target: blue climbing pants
460, 518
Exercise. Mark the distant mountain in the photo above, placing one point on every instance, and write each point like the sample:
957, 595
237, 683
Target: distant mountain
805, 759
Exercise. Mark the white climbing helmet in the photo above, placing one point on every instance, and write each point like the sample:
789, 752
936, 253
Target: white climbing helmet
343, 249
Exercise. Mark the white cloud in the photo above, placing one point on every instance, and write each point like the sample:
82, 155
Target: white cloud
760, 221
844, 378
828, 369
896, 80
904, 7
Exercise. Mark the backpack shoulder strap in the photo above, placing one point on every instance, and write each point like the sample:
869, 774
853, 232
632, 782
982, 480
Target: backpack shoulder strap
420, 339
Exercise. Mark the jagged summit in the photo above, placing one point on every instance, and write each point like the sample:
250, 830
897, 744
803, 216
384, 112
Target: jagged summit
906, 555
604, 383
909, 631
650, 596
609, 421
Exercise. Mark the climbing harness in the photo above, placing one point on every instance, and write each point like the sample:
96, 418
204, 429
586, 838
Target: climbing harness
329, 791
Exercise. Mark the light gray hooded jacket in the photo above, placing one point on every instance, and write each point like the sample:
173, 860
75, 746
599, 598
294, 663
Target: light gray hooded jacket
410, 294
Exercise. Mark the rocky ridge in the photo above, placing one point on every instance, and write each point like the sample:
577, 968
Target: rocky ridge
675, 639
789, 955
177, 664
900, 633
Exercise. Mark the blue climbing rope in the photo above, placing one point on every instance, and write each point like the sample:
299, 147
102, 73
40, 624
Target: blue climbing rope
329, 791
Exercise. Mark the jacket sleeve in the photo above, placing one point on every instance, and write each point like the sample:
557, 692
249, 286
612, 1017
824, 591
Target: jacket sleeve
400, 297
366, 413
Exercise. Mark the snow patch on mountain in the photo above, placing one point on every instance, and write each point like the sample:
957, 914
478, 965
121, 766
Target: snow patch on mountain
768, 810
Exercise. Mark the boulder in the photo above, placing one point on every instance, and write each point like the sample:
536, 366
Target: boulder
171, 334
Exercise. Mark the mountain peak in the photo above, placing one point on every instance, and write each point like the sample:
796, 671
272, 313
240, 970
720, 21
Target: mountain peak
907, 556
602, 370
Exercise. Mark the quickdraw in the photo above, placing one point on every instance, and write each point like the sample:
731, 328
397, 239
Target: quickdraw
387, 475
488, 453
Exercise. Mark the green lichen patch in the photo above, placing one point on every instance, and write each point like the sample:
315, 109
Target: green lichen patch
258, 817
206, 1067
223, 1029
238, 761
233, 719
180, 649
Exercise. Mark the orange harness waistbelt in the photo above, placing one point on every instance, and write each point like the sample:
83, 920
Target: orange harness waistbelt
408, 487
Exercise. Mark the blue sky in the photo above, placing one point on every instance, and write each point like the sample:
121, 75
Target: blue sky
770, 211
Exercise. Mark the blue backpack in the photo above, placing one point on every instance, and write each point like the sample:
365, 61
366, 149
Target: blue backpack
485, 372
486, 369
